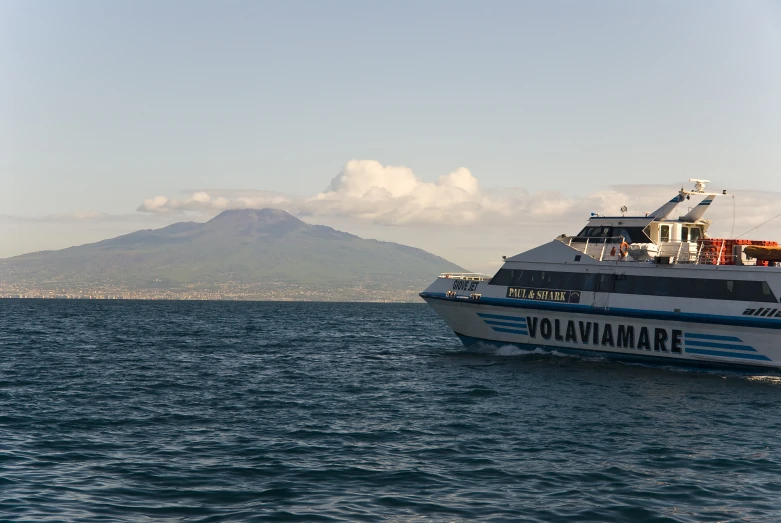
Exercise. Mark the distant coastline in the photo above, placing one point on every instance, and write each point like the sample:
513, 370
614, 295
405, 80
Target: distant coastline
282, 292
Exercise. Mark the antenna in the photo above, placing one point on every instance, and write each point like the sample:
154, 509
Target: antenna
732, 234
699, 185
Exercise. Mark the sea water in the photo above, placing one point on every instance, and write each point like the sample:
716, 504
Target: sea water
241, 411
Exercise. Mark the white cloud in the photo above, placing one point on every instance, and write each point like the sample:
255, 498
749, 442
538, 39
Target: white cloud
203, 201
79, 216
156, 204
395, 195
380, 194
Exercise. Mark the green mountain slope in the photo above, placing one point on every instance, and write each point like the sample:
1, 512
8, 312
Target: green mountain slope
237, 247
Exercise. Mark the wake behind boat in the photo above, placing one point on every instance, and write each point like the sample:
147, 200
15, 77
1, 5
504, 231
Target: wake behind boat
643, 287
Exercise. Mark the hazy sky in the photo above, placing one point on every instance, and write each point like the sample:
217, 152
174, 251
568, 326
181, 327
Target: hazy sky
121, 115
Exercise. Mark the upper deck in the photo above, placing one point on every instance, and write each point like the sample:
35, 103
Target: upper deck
656, 238
708, 251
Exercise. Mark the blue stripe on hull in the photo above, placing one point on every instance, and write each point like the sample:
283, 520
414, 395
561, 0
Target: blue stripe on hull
685, 317
501, 317
723, 346
512, 331
470, 341
506, 323
712, 337
728, 354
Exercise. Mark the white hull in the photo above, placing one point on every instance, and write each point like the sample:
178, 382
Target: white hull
678, 342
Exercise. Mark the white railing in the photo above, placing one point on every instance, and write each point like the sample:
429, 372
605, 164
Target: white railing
679, 252
706, 252
596, 248
465, 276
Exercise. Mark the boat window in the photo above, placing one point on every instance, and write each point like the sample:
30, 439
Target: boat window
664, 232
623, 233
585, 282
605, 283
544, 279
596, 232
684, 234
749, 291
736, 290
695, 234
658, 287
631, 234
533, 279
612, 234
696, 288
638, 235
621, 284
503, 277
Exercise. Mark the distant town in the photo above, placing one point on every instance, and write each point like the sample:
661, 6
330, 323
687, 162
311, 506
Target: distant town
262, 291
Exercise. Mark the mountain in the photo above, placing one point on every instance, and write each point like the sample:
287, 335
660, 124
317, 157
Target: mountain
245, 253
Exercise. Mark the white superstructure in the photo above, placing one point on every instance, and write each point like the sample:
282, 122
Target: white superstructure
647, 287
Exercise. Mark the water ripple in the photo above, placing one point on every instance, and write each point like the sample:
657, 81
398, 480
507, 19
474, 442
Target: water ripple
171, 411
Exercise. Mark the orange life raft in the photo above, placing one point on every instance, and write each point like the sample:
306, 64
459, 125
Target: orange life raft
760, 252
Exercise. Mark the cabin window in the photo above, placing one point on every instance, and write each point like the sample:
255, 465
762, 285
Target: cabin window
684, 234
596, 232
533, 278
544, 279
664, 233
697, 288
695, 234
736, 290
620, 232
629, 234
503, 277
605, 283
637, 235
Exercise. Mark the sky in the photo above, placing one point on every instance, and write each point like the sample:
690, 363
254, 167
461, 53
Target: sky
469, 129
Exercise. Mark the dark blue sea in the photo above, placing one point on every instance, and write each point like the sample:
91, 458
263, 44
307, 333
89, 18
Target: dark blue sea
231, 411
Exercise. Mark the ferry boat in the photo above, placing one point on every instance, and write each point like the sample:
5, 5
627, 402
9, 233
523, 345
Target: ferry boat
630, 287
